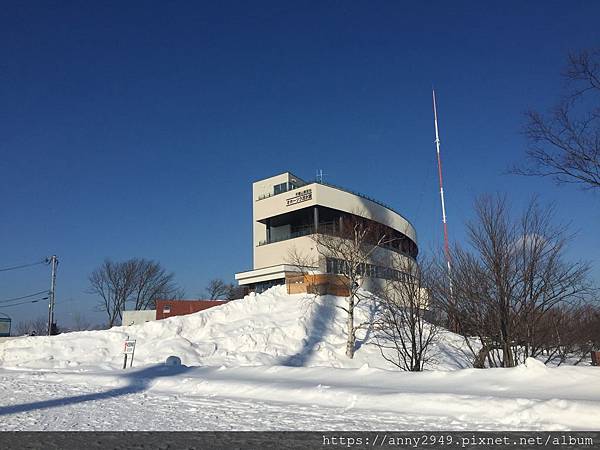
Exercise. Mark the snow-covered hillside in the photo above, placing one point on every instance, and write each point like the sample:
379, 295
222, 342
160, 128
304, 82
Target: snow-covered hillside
272, 328
274, 362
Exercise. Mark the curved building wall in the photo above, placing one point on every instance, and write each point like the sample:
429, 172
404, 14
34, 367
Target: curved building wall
316, 194
351, 203
279, 202
278, 252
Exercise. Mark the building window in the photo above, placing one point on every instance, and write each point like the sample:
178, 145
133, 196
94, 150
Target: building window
340, 267
279, 188
166, 309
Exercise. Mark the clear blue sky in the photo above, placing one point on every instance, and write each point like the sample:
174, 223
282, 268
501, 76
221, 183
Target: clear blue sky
136, 128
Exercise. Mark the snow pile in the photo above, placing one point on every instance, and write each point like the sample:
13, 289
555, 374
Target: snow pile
283, 355
160, 397
267, 329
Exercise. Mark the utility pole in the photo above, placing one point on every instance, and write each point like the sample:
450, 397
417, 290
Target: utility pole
53, 261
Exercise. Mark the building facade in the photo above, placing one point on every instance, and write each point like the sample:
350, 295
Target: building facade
168, 308
288, 212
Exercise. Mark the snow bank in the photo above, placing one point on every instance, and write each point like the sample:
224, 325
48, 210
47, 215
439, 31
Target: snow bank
267, 329
158, 397
284, 353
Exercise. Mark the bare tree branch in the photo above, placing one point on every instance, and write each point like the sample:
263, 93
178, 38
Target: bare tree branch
402, 334
565, 144
137, 281
511, 277
353, 250
217, 289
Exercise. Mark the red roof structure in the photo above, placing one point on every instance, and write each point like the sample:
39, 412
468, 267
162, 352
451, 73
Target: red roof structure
170, 308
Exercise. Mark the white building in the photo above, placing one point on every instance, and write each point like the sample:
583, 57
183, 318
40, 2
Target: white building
288, 210
138, 317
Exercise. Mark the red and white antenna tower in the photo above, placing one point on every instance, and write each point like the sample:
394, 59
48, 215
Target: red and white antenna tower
439, 161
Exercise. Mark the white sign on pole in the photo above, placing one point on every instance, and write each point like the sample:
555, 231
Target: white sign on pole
129, 347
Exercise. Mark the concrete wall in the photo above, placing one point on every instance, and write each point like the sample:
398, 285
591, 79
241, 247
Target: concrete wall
138, 317
278, 252
264, 189
354, 204
277, 272
322, 195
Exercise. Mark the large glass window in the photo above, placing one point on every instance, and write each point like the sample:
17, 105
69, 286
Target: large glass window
340, 267
279, 188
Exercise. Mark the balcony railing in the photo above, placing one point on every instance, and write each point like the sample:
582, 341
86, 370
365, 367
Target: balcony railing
358, 194
273, 194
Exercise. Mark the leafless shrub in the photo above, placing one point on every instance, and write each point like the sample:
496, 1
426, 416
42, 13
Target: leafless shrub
513, 273
34, 327
402, 334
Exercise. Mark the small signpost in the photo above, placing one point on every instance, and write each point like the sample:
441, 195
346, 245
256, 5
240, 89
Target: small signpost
128, 349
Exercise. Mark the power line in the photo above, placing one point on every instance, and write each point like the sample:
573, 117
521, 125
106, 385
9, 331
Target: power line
6, 300
43, 261
23, 303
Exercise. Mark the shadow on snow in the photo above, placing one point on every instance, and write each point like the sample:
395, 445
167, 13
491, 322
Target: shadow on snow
321, 319
138, 381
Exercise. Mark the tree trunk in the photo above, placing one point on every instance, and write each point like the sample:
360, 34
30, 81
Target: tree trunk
507, 354
483, 353
350, 327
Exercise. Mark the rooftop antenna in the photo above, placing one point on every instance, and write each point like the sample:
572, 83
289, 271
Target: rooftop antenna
439, 163
320, 176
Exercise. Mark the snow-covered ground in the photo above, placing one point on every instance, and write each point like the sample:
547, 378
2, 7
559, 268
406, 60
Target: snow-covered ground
274, 362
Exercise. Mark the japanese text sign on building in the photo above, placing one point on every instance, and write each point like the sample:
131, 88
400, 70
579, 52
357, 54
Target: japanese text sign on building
301, 196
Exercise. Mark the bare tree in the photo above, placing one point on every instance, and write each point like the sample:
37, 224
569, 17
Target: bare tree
402, 334
512, 275
352, 250
235, 292
151, 282
568, 332
80, 322
306, 266
37, 327
113, 283
565, 144
217, 289
137, 281
467, 303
